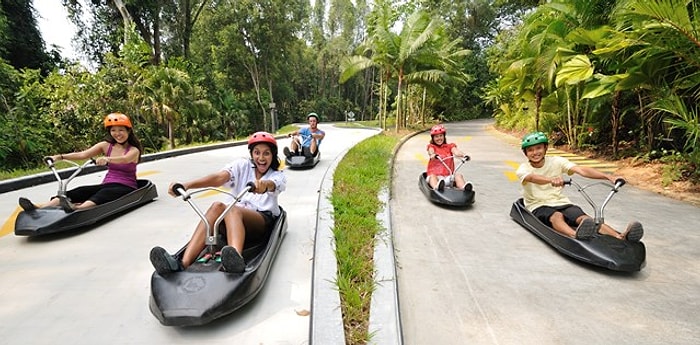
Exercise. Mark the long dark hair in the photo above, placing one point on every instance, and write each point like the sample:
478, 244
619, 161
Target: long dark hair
432, 141
132, 140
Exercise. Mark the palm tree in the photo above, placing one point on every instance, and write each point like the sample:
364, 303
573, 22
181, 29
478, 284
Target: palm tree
419, 54
165, 93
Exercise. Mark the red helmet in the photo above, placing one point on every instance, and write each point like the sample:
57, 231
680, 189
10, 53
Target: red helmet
437, 129
261, 137
117, 119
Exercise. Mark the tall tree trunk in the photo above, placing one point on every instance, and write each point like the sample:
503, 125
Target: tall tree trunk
422, 106
615, 121
156, 37
399, 114
273, 122
538, 104
126, 17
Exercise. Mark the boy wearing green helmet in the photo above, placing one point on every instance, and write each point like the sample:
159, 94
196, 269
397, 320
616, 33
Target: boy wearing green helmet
542, 182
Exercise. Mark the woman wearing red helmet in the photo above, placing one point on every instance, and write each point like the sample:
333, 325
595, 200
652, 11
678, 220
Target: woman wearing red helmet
253, 216
437, 173
120, 152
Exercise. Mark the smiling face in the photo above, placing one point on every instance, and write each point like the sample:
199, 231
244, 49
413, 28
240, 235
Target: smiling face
119, 133
313, 122
439, 139
535, 154
262, 157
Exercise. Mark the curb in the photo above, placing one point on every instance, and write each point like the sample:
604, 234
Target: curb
384, 315
326, 324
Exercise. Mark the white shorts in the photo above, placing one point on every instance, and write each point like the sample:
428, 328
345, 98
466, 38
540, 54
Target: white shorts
448, 180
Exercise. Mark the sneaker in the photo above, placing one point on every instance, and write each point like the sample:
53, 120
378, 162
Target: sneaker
468, 187
66, 205
634, 232
586, 229
441, 185
307, 153
231, 260
27, 205
287, 153
163, 262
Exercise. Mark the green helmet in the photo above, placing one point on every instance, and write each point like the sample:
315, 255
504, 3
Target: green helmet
533, 139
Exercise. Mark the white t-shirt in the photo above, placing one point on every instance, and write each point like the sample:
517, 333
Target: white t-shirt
242, 171
536, 195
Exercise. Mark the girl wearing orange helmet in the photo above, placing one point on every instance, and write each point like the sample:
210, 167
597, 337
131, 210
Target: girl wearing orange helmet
120, 152
253, 216
439, 148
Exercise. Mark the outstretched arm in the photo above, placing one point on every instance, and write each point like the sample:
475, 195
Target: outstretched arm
93, 151
431, 152
557, 181
319, 135
212, 180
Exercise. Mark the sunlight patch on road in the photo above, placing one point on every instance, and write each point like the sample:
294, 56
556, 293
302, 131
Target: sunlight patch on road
512, 177
465, 139
513, 164
147, 173
210, 193
422, 157
9, 225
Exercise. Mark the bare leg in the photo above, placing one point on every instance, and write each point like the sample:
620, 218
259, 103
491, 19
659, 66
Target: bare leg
432, 181
84, 205
561, 226
294, 146
313, 146
240, 221
52, 203
196, 244
459, 181
606, 229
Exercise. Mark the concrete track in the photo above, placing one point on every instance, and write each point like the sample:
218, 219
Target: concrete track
475, 276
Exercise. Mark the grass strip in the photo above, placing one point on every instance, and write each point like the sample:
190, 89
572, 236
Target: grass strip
357, 181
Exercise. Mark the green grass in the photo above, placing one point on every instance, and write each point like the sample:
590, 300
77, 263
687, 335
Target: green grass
357, 181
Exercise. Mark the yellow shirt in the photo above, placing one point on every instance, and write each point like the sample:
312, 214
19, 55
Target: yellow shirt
536, 195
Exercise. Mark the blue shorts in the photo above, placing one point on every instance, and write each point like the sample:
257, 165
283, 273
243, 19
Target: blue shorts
570, 212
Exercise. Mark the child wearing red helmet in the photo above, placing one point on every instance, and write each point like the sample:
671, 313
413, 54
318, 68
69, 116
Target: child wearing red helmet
437, 173
120, 152
253, 216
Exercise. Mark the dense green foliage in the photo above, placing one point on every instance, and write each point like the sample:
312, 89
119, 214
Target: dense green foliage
617, 76
621, 76
199, 71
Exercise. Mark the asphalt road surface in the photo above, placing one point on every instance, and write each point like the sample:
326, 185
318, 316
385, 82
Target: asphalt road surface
93, 287
474, 276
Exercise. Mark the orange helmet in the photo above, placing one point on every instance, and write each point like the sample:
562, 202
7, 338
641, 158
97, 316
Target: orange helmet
437, 129
117, 119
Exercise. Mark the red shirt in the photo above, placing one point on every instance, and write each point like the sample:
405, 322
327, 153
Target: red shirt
435, 167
